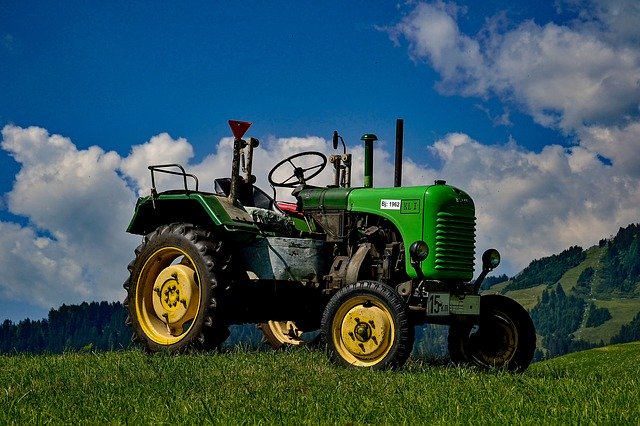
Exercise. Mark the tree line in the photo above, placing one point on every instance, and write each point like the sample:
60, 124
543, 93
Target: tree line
96, 326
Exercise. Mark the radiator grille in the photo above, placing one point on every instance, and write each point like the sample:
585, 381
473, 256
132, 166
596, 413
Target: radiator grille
455, 242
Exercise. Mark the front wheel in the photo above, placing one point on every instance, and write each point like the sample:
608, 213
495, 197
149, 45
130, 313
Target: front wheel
502, 337
366, 324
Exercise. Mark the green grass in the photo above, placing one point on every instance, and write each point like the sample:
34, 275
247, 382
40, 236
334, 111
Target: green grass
302, 387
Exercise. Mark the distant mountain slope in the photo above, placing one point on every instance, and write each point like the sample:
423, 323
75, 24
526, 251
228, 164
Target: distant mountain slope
547, 270
581, 298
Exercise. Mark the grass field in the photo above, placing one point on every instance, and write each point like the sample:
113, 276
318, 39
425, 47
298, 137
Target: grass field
302, 387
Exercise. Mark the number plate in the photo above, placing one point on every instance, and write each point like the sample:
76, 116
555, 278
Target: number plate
437, 304
443, 304
465, 305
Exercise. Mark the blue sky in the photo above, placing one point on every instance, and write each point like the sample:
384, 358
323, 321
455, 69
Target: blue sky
533, 109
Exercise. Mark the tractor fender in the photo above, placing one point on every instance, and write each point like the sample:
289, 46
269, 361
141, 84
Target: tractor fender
200, 209
353, 269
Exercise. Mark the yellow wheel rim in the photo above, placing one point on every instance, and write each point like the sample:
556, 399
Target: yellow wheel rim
167, 296
280, 333
363, 331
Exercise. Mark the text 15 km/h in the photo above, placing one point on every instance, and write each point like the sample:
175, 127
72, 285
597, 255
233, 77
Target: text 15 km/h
443, 304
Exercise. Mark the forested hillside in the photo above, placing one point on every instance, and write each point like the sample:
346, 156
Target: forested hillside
620, 273
87, 327
548, 270
556, 317
629, 332
585, 298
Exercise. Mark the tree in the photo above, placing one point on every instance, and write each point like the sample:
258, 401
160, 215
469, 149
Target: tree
583, 285
621, 264
597, 316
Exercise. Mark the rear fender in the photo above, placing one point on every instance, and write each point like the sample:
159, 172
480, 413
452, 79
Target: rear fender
205, 210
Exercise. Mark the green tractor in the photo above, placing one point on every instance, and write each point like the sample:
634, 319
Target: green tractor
361, 265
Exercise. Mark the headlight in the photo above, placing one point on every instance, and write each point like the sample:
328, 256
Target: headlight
419, 251
490, 259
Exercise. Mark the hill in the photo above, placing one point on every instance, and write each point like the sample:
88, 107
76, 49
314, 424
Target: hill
581, 298
300, 386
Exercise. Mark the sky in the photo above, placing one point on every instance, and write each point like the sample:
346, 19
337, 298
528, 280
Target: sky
531, 107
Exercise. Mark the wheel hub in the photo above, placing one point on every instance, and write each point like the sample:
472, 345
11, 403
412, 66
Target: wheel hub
173, 290
496, 342
363, 331
366, 331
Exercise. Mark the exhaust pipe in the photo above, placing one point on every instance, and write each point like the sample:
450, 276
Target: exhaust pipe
397, 180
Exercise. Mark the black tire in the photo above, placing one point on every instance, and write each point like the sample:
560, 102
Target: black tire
172, 287
502, 337
366, 324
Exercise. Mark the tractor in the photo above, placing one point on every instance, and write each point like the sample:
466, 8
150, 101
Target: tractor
356, 268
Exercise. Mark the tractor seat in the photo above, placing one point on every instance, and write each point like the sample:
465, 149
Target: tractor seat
248, 195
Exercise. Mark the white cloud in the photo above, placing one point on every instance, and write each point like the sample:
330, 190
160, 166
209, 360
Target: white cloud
433, 35
73, 247
160, 149
620, 144
565, 76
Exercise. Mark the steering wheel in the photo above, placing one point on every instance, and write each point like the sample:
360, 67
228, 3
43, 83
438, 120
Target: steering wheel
299, 175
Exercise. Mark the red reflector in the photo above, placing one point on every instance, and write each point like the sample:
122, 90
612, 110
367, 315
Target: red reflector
239, 128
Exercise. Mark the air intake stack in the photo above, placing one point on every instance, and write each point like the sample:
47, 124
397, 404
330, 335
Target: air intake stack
368, 139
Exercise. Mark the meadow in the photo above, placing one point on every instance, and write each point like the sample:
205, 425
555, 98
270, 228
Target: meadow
300, 386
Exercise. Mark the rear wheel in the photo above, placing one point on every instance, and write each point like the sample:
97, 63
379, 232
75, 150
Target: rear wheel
366, 324
502, 337
171, 291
